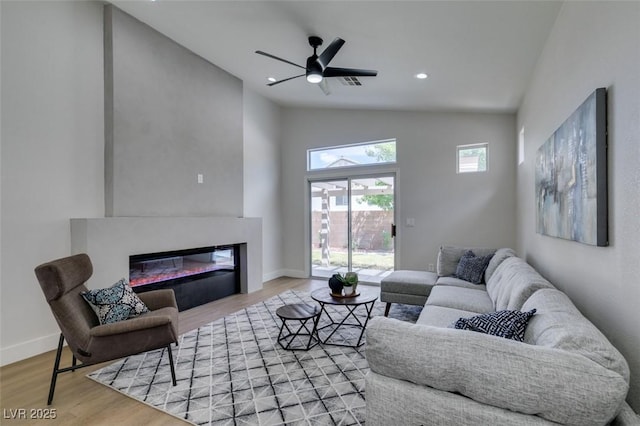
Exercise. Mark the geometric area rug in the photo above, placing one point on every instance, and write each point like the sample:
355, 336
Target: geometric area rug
232, 371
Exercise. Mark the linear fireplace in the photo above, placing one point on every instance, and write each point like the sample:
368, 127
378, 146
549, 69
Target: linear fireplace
197, 276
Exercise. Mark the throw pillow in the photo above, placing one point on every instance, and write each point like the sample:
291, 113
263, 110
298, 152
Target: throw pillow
471, 267
116, 303
507, 324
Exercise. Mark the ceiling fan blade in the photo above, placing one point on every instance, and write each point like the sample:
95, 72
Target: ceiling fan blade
260, 52
286, 79
348, 72
324, 86
331, 50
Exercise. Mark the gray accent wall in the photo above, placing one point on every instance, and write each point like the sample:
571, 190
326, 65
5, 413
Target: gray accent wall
593, 44
169, 116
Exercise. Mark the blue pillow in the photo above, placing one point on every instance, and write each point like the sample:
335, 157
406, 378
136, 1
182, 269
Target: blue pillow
116, 303
471, 268
507, 324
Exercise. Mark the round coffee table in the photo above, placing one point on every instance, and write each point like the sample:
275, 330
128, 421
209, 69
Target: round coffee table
302, 313
366, 297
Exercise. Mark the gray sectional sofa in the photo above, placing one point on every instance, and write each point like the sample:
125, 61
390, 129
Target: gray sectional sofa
564, 372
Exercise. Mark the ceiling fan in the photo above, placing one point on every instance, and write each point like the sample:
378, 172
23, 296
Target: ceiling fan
317, 70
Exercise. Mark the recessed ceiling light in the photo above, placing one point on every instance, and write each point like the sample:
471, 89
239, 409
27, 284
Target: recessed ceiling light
421, 76
271, 79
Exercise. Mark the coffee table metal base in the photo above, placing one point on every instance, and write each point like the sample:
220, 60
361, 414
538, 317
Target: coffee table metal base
305, 316
366, 299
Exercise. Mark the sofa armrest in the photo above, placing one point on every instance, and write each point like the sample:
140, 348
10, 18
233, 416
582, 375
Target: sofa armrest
556, 385
157, 299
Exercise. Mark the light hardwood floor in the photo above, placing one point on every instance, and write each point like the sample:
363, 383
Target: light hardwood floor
81, 401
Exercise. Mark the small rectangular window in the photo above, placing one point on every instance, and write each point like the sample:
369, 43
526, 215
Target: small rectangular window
361, 154
472, 158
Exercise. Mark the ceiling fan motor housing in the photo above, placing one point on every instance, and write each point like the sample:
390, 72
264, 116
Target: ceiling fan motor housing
315, 41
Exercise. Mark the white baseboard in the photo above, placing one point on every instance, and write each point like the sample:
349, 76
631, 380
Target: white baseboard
272, 275
294, 273
27, 349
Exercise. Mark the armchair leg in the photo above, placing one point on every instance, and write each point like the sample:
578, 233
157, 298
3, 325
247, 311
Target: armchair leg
57, 370
173, 369
386, 309
56, 367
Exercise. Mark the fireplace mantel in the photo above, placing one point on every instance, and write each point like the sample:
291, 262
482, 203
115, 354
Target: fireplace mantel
110, 241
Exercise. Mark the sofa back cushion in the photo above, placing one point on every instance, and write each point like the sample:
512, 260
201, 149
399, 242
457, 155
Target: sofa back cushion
513, 281
499, 256
449, 257
559, 324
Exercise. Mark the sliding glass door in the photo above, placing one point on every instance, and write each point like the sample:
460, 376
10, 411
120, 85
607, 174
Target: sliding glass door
352, 226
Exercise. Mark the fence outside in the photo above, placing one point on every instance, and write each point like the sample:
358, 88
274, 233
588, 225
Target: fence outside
371, 230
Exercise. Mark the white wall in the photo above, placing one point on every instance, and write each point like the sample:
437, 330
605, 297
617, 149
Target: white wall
52, 153
262, 197
450, 208
593, 44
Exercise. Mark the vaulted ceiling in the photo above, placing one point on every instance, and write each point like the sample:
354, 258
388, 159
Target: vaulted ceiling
479, 55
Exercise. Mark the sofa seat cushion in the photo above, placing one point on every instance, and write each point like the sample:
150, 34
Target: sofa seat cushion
554, 384
512, 283
439, 316
465, 299
559, 324
457, 282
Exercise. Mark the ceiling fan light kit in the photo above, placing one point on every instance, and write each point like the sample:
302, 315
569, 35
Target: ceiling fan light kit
317, 68
314, 77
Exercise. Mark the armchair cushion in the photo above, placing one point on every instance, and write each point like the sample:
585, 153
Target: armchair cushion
116, 303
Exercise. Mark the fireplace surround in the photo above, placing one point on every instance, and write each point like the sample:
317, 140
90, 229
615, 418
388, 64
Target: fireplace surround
110, 241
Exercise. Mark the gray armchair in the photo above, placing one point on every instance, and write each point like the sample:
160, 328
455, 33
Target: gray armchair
63, 280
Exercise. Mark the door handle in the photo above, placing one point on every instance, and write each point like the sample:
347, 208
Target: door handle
393, 230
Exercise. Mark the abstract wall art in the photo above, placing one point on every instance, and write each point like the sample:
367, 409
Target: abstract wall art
571, 176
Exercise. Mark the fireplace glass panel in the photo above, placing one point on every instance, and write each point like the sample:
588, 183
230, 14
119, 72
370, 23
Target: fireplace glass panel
160, 267
196, 276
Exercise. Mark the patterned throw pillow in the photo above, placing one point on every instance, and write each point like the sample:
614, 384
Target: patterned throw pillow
471, 268
507, 324
116, 303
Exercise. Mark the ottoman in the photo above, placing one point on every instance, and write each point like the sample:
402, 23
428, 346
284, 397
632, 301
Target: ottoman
408, 287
